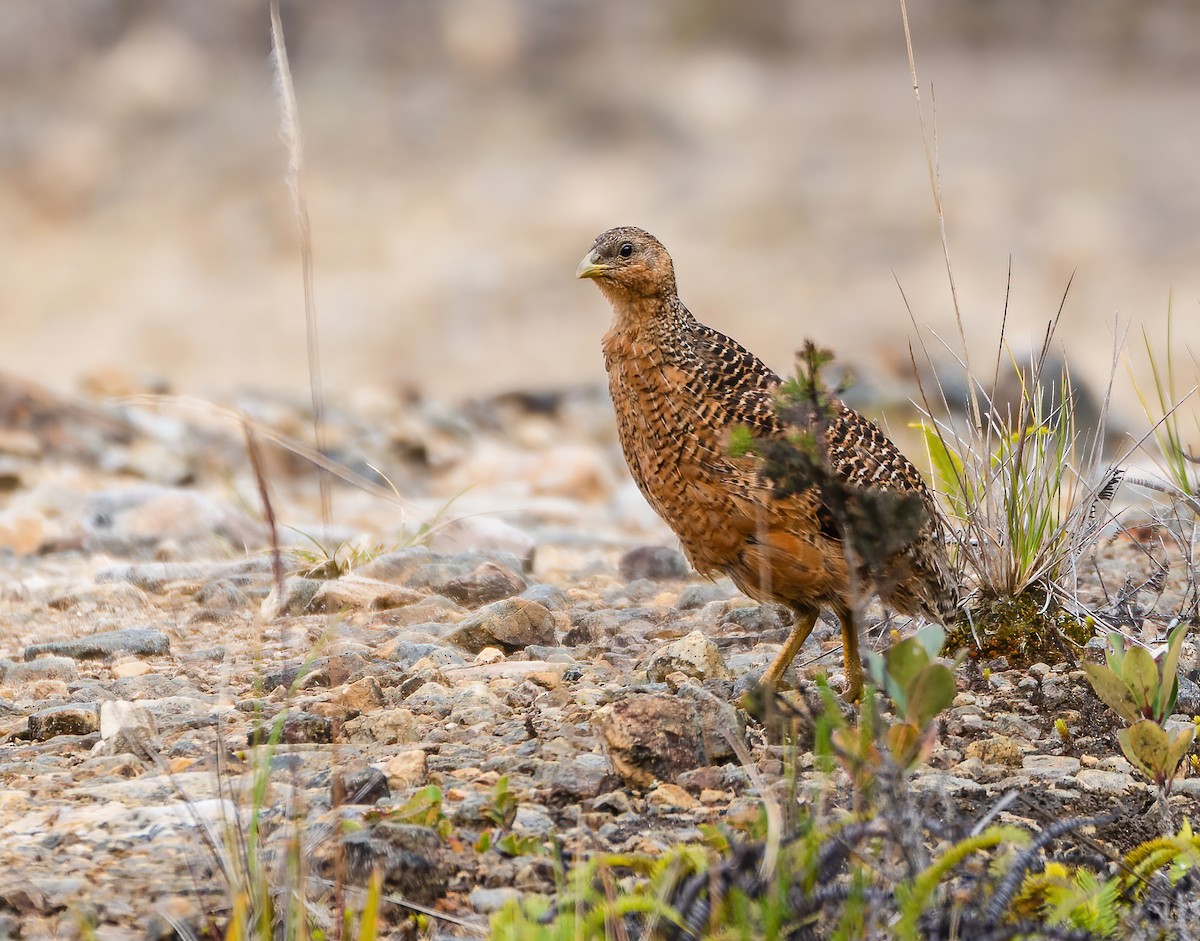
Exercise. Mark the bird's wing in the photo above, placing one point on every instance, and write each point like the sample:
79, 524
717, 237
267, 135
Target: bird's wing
739, 384
861, 454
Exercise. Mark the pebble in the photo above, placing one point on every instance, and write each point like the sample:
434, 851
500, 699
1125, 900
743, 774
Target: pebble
484, 584
487, 901
693, 655
406, 769
651, 737
139, 642
63, 720
657, 563
511, 624
1050, 767
1097, 781
43, 668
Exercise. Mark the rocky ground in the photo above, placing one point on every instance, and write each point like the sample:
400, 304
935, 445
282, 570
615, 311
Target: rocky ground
518, 616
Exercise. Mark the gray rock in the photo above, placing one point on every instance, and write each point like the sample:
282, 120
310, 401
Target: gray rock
487, 901
297, 596
356, 593
139, 642
693, 655
412, 859
72, 719
300, 728
511, 624
1099, 781
404, 654
1189, 696
758, 619
1050, 767
574, 782
549, 596
126, 727
657, 563
697, 596
484, 584
651, 737
155, 576
364, 786
43, 668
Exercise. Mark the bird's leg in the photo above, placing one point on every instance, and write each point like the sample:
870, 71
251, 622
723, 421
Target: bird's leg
854, 666
805, 621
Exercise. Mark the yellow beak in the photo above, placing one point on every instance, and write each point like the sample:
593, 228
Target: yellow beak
590, 267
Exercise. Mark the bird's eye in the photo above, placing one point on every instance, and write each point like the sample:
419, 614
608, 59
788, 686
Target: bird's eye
626, 249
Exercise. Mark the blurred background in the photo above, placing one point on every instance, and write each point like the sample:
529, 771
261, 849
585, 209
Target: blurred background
462, 154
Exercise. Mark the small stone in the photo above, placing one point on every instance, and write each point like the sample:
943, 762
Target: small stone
364, 786
693, 655
355, 593
548, 596
1104, 782
533, 821
697, 596
43, 668
1051, 767
489, 655
387, 727
126, 727
671, 797
487, 583
996, 750
412, 859
657, 563
364, 695
300, 728
407, 769
487, 901
575, 782
298, 594
128, 668
140, 642
651, 737
512, 624
63, 720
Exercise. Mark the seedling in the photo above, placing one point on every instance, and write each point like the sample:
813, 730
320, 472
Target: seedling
1142, 690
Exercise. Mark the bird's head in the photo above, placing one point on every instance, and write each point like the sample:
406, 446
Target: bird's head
629, 263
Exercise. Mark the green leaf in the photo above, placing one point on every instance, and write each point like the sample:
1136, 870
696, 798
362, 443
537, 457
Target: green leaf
931, 637
1179, 741
904, 661
931, 691
1112, 691
1140, 674
1116, 652
1146, 745
1169, 686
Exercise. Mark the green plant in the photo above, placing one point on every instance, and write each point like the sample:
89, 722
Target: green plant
920, 688
1162, 410
1142, 690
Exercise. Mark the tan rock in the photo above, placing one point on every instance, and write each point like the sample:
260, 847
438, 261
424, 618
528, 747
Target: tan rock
406, 769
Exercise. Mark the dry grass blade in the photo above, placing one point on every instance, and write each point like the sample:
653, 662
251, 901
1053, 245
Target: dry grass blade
264, 494
290, 126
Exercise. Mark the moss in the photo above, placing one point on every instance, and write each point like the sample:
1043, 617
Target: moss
1023, 628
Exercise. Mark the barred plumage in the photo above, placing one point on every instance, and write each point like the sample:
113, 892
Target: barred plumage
679, 389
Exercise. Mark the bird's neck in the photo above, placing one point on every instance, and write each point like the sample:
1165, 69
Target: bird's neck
656, 318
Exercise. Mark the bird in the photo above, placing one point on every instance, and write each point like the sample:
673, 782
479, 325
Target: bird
679, 390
